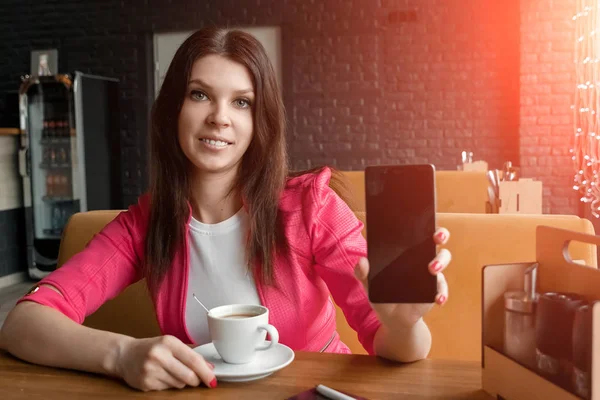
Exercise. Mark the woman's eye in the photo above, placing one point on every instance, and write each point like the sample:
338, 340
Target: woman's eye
198, 95
242, 103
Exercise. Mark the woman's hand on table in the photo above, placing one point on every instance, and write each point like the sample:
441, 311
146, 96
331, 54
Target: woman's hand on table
162, 362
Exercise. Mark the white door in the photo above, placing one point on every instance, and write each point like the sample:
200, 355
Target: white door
166, 44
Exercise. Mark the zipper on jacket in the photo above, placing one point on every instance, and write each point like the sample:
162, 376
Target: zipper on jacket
328, 342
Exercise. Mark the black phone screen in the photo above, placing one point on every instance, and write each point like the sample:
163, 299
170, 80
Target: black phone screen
400, 205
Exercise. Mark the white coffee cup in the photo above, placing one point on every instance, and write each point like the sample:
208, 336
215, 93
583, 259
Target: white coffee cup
238, 331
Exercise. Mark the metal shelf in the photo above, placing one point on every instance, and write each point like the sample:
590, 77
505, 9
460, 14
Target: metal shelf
54, 165
61, 140
56, 199
53, 232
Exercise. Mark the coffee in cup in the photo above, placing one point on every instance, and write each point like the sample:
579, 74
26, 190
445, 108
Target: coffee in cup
238, 331
239, 316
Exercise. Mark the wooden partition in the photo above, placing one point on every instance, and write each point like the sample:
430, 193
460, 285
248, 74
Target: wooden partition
502, 376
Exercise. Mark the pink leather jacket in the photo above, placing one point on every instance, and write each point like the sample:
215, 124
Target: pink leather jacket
325, 245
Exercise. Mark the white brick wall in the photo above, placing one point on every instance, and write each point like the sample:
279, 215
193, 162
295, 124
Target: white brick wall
10, 183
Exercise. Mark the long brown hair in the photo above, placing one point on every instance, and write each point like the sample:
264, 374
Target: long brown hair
264, 166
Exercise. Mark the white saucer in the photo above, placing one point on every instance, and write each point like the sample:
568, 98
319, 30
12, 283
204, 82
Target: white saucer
266, 362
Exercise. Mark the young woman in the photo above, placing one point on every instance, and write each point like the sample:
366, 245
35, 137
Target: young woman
225, 219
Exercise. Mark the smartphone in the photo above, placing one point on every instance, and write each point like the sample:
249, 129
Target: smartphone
400, 205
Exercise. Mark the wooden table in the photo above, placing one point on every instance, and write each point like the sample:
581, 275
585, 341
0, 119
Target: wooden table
370, 377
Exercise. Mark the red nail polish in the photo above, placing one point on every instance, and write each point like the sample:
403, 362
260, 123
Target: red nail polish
441, 236
213, 383
436, 266
442, 299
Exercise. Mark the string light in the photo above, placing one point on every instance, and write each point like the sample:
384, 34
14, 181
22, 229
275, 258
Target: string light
586, 144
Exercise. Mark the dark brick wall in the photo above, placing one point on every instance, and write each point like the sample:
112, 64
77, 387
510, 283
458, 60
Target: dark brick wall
547, 93
400, 90
365, 81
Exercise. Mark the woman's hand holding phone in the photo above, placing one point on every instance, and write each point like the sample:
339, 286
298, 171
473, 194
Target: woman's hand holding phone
407, 314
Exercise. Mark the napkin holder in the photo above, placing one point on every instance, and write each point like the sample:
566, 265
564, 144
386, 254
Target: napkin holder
523, 196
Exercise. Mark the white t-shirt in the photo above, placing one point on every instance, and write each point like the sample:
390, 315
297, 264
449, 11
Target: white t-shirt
218, 274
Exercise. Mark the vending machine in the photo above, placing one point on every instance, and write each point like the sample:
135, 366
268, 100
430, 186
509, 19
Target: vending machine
69, 157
